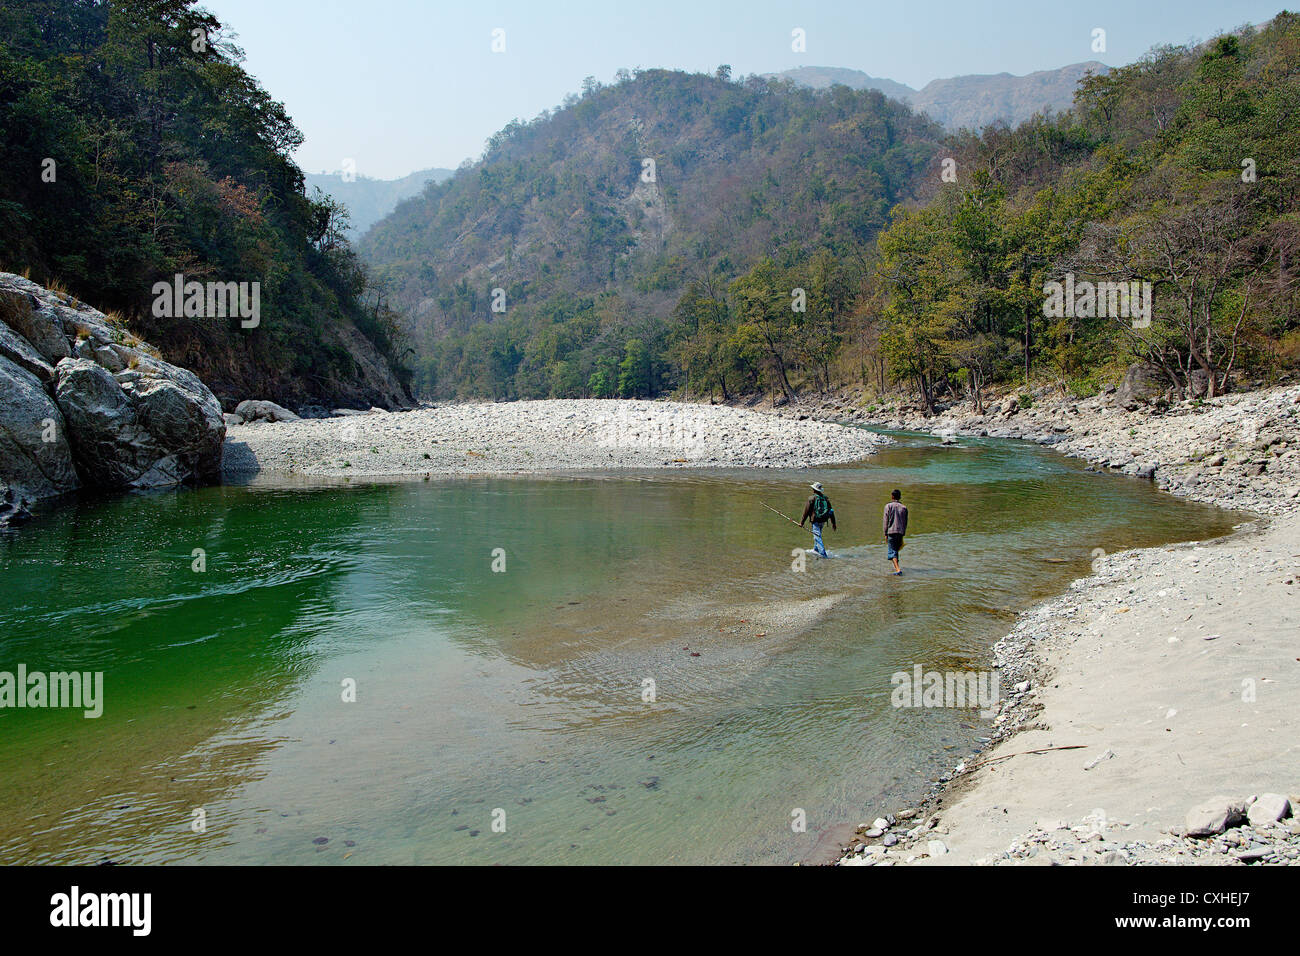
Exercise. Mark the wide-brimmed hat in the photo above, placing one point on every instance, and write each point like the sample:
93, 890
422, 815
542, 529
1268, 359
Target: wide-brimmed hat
816, 486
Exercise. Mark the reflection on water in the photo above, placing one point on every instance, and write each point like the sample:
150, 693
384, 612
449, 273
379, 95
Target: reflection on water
519, 695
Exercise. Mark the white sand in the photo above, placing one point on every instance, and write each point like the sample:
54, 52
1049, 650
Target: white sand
1181, 662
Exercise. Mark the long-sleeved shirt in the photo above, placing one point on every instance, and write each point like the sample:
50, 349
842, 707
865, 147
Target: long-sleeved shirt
808, 512
895, 518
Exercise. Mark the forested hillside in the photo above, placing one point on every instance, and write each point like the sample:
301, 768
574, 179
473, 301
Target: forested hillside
592, 220
795, 239
134, 147
1178, 171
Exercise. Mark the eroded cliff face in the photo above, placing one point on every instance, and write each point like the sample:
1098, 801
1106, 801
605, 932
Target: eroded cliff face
356, 375
84, 403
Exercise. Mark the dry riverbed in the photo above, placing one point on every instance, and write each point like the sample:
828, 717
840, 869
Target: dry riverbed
1163, 691
531, 437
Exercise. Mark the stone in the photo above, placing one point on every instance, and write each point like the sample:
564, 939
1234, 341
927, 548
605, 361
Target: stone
1214, 816
19, 351
107, 356
1269, 808
150, 427
1141, 383
109, 445
31, 467
264, 411
937, 848
26, 315
1105, 755
13, 508
97, 413
182, 423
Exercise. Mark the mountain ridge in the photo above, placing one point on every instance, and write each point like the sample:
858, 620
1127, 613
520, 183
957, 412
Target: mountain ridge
972, 100
593, 218
369, 200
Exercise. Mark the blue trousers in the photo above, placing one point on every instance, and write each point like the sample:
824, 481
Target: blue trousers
817, 540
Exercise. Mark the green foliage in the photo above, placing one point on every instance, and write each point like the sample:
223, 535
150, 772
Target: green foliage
634, 371
168, 158
1149, 179
796, 240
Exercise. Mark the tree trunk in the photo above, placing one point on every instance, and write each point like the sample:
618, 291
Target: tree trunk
1029, 317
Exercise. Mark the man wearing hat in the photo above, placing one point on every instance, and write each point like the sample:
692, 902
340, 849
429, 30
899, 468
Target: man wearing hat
820, 511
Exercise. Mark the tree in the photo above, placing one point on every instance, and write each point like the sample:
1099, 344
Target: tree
634, 371
168, 157
1209, 265
920, 266
764, 309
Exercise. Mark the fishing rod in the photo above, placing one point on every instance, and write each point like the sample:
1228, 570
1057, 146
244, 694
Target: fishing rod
787, 518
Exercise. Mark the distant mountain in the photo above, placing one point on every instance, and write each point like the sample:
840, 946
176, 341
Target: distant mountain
970, 101
822, 77
369, 200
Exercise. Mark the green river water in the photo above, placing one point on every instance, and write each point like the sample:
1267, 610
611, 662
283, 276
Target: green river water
517, 696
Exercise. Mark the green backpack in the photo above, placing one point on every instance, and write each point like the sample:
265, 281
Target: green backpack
821, 510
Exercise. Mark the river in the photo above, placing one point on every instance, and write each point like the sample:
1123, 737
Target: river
596, 668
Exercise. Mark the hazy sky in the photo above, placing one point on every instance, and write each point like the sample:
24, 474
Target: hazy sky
400, 85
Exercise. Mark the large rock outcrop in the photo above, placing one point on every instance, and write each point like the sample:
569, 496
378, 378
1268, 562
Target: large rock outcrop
85, 403
35, 460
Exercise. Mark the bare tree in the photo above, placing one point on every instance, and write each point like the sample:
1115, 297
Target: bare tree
1209, 266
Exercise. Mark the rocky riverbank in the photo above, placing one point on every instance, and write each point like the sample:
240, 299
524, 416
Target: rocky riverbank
1238, 451
1151, 714
84, 403
530, 437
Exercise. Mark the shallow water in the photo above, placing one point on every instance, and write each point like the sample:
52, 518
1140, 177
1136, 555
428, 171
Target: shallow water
517, 696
